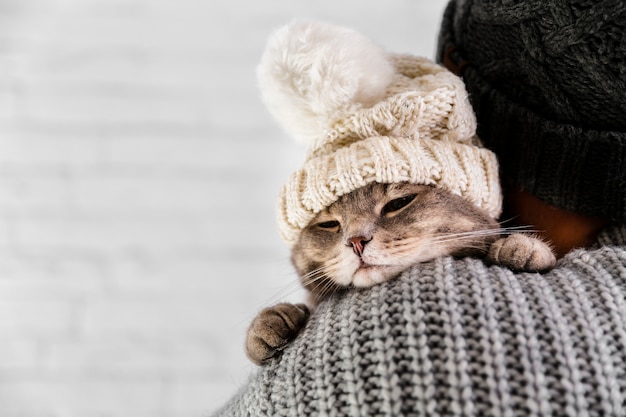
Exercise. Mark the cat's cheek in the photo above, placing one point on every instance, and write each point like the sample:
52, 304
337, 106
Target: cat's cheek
423, 253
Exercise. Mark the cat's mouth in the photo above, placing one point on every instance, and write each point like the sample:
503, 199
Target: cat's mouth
365, 265
367, 275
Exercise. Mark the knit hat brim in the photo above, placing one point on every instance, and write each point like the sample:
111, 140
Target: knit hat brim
465, 170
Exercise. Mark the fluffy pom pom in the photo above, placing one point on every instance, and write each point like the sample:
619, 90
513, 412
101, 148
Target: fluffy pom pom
312, 72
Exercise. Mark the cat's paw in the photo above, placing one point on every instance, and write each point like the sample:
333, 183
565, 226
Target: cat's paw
272, 329
522, 252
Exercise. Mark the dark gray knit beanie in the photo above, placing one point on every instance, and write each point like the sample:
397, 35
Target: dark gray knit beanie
547, 80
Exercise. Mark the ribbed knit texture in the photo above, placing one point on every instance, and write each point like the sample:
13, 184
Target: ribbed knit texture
458, 338
547, 82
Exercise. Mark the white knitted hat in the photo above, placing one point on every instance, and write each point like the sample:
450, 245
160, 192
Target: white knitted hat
369, 116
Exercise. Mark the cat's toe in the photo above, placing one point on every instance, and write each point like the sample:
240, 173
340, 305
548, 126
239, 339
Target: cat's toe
522, 252
272, 329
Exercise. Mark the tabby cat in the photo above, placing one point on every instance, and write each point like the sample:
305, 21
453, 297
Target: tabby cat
373, 234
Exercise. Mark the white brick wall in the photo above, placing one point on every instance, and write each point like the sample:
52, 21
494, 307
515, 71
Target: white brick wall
138, 174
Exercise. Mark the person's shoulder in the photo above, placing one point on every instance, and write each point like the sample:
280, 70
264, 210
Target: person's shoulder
456, 309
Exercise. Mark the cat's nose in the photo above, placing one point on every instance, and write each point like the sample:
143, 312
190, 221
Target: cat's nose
358, 244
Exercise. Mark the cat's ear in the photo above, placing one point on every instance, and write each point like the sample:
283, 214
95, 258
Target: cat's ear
311, 73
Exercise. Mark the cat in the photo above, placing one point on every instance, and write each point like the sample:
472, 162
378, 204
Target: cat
374, 233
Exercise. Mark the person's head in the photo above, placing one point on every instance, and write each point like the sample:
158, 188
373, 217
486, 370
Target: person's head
547, 81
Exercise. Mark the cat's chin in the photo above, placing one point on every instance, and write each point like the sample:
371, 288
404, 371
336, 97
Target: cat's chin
369, 275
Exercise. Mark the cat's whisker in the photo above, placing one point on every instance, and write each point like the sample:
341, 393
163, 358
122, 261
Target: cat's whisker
316, 275
322, 289
456, 239
328, 290
313, 277
321, 272
317, 282
509, 219
295, 286
321, 278
444, 237
518, 229
313, 272
284, 293
481, 233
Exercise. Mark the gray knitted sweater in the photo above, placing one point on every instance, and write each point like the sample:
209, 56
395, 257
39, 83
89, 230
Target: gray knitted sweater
457, 337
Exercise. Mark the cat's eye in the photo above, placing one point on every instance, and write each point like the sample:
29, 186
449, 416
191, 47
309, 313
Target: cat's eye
331, 225
397, 204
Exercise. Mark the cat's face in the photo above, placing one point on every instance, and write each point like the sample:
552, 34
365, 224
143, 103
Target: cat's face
377, 231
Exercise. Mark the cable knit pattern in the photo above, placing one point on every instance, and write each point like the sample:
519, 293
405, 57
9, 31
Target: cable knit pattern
456, 337
423, 101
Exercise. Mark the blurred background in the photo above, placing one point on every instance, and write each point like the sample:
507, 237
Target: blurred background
138, 177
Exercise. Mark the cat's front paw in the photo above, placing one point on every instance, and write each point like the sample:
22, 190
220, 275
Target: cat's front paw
522, 252
272, 329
